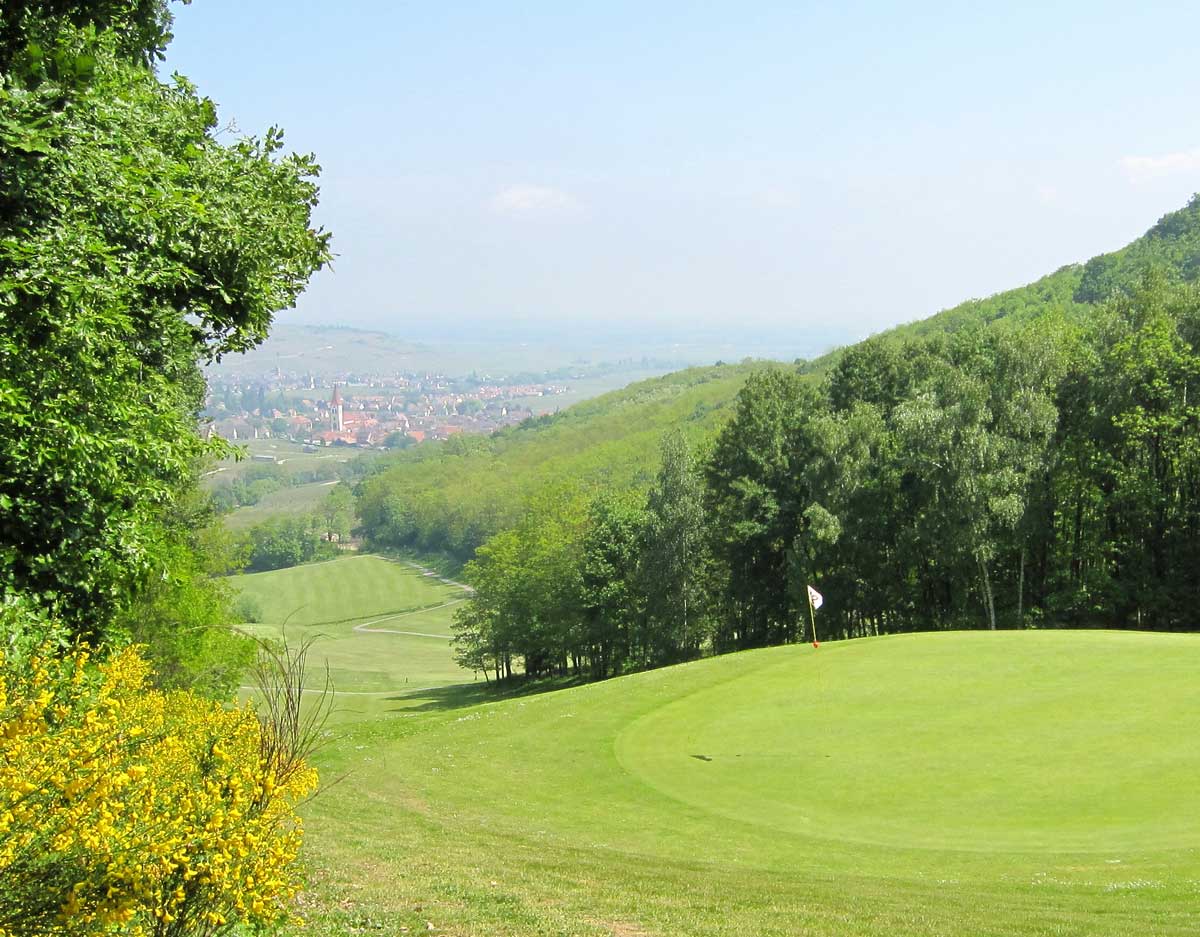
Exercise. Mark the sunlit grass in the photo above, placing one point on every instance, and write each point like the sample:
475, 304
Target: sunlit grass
1037, 783
380, 628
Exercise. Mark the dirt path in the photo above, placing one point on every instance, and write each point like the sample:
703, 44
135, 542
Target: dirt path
365, 628
425, 571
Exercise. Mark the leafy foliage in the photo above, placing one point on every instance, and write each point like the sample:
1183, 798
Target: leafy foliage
133, 245
182, 619
287, 541
593, 587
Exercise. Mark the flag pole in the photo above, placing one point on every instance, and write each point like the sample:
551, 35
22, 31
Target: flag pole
812, 616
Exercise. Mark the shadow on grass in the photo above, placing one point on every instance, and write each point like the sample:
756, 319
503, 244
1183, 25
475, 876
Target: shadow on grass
462, 695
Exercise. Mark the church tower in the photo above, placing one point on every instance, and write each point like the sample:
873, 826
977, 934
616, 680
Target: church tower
335, 410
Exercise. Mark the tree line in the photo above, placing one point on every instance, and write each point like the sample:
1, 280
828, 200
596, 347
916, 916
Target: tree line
595, 585
293, 539
1032, 474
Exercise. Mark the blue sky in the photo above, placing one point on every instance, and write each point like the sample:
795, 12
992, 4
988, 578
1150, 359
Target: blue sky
767, 168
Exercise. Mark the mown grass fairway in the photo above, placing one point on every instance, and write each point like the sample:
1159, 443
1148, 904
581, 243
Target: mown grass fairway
1034, 783
381, 626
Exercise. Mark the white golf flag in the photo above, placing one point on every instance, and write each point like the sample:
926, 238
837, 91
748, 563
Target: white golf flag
815, 597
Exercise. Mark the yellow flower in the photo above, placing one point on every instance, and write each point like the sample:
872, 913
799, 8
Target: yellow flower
139, 790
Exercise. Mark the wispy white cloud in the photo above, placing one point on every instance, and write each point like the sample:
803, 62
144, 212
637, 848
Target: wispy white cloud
1143, 168
528, 201
1046, 194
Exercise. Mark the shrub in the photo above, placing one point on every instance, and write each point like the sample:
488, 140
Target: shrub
165, 814
247, 609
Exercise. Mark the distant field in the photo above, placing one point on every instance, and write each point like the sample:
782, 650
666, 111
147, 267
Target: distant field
963, 784
287, 502
323, 350
302, 349
299, 349
328, 601
584, 389
290, 455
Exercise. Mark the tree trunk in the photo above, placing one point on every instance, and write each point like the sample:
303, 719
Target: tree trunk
988, 601
684, 637
1021, 592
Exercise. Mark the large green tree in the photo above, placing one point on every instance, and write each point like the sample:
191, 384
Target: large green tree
528, 605
755, 501
612, 599
134, 247
674, 556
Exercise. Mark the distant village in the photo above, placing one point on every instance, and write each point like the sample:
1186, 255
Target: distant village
369, 411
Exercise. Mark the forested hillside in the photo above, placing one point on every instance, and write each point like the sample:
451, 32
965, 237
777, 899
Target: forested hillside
1026, 460
1172, 247
452, 496
1040, 474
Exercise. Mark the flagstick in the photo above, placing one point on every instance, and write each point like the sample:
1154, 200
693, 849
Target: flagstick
818, 668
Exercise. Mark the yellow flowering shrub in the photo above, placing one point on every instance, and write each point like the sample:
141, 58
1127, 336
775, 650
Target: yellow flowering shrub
123, 808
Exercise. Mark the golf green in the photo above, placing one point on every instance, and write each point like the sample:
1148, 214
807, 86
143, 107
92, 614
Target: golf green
1041, 784
965, 741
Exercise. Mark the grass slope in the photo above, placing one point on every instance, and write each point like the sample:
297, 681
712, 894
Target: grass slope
286, 502
1032, 783
381, 627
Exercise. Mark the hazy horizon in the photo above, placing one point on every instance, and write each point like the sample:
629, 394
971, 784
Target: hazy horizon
324, 350
745, 174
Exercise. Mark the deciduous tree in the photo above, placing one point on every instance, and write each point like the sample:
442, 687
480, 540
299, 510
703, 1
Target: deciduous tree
134, 245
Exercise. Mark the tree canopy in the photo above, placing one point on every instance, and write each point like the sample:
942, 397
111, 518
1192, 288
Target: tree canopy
1031, 474
135, 245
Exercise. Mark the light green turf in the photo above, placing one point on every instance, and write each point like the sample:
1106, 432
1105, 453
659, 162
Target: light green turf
380, 626
1034, 783
985, 743
349, 589
286, 502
